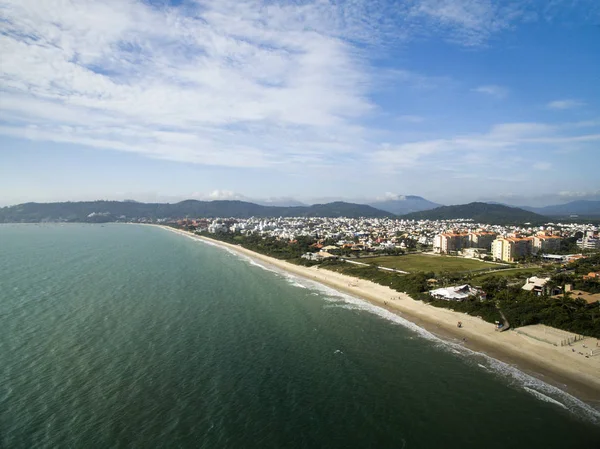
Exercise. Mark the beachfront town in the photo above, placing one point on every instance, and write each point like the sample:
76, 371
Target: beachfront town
542, 280
453, 237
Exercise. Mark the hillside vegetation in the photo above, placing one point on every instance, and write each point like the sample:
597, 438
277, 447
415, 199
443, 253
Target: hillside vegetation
480, 213
107, 211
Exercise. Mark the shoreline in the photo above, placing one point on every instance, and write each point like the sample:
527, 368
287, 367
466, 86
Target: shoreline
557, 366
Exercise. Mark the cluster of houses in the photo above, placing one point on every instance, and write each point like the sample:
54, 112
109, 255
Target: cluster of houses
539, 286
457, 237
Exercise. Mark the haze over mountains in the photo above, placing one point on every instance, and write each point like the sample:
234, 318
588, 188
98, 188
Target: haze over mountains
396, 204
106, 211
406, 204
402, 205
390, 202
588, 208
480, 213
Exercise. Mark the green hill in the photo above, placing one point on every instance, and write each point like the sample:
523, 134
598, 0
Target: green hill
107, 211
479, 212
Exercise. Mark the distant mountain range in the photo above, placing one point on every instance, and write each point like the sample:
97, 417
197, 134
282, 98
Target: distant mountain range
583, 208
481, 213
106, 211
405, 205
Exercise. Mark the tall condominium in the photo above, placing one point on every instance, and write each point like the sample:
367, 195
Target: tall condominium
510, 249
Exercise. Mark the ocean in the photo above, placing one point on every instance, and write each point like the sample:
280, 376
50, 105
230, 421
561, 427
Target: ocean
130, 336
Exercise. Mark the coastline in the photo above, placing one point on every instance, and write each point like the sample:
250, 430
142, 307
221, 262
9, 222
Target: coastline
557, 366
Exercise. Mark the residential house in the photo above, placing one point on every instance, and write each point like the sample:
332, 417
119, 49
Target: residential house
540, 286
457, 293
592, 276
321, 255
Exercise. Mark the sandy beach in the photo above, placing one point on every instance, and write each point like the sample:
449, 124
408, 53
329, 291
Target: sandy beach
564, 367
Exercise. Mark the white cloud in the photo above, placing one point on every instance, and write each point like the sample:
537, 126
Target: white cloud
594, 194
470, 22
542, 166
477, 148
220, 82
492, 90
390, 196
129, 77
222, 195
565, 104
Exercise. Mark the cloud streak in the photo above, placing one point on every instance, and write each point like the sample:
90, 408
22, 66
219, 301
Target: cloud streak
565, 104
223, 82
495, 145
193, 87
492, 90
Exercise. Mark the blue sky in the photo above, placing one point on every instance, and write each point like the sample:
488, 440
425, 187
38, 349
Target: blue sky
454, 100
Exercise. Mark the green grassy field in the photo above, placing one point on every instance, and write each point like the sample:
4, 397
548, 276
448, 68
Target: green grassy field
422, 262
510, 273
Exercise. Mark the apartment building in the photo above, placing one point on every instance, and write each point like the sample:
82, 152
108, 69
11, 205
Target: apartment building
481, 239
456, 241
589, 243
450, 242
510, 249
543, 244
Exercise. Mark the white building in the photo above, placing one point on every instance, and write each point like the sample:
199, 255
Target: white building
216, 227
589, 243
539, 286
457, 293
321, 255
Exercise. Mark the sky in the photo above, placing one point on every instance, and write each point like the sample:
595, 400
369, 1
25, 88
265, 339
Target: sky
156, 100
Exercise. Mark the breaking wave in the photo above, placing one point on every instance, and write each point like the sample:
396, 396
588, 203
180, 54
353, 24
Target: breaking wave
516, 378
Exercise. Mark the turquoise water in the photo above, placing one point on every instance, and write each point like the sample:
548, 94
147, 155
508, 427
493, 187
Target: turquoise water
131, 336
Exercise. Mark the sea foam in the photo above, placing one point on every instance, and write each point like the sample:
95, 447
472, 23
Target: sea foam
515, 377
